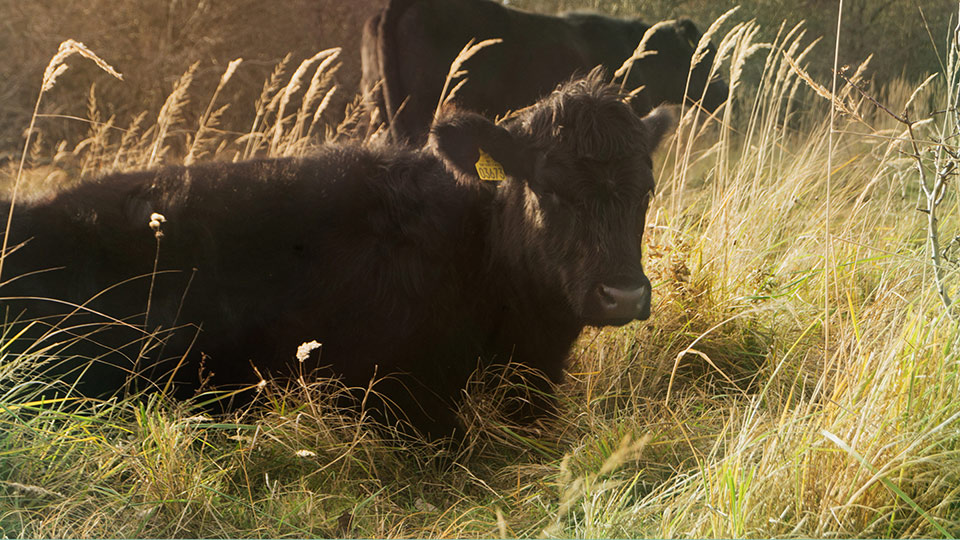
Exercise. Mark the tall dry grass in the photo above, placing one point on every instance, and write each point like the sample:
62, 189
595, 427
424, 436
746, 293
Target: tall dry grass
728, 414
153, 43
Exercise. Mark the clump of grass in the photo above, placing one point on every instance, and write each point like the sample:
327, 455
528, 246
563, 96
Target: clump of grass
280, 145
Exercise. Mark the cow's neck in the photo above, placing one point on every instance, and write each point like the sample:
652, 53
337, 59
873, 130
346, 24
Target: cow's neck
533, 320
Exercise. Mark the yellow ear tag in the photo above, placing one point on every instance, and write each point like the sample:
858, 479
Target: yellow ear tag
488, 169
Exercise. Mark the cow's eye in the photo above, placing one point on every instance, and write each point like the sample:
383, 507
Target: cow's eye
645, 200
553, 200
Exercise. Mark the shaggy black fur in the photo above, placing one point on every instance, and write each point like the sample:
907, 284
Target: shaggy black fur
401, 262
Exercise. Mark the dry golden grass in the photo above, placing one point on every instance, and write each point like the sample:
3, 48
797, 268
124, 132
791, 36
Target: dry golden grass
730, 413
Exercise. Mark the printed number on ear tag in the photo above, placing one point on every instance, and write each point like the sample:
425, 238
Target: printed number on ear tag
488, 169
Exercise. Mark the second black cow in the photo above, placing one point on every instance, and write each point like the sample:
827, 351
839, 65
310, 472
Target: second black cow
495, 243
408, 47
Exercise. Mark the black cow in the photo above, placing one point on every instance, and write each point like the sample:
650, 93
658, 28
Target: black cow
403, 263
408, 47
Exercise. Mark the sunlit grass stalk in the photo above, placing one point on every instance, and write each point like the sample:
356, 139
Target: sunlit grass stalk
54, 69
623, 72
327, 57
128, 141
170, 114
456, 71
206, 117
828, 207
321, 108
689, 127
254, 137
315, 98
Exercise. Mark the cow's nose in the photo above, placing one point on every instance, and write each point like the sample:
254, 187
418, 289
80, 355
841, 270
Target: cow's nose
617, 306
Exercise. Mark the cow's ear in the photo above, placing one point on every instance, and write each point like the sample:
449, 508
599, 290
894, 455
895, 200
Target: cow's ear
687, 30
639, 101
479, 150
658, 124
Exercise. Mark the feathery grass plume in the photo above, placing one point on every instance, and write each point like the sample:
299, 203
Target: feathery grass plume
322, 78
60, 153
746, 48
54, 69
324, 103
701, 51
15, 367
210, 117
916, 92
36, 147
255, 137
93, 139
349, 127
128, 141
638, 53
689, 126
780, 83
455, 72
171, 113
768, 99
853, 81
842, 105
96, 145
93, 114
32, 491
289, 90
200, 148
305, 348
583, 491
743, 48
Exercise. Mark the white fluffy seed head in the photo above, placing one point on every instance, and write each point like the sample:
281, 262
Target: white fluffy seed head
156, 220
305, 348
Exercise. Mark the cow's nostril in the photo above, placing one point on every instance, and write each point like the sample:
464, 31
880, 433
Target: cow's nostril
606, 299
613, 305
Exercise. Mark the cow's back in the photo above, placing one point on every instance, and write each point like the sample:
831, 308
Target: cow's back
420, 39
417, 40
383, 247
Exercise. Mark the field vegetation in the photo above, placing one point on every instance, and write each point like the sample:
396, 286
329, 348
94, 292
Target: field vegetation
798, 378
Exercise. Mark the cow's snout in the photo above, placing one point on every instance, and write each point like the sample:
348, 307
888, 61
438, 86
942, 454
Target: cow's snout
615, 306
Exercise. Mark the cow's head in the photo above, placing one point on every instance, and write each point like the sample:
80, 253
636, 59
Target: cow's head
576, 181
665, 73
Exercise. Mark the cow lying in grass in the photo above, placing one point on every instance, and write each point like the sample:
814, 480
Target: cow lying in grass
495, 243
